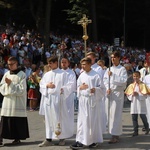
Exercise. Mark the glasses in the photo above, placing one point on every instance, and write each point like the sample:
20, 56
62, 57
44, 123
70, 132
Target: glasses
11, 64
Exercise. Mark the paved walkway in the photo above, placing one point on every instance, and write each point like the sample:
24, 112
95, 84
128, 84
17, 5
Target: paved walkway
37, 135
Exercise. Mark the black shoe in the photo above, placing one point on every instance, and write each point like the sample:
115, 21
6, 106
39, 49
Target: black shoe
146, 131
1, 144
93, 145
135, 134
143, 129
77, 145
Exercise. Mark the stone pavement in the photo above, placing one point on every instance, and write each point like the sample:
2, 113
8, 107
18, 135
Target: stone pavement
37, 135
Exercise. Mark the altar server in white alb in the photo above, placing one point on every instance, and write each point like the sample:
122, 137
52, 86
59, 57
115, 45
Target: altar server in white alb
69, 101
116, 77
146, 80
14, 123
53, 87
100, 71
89, 92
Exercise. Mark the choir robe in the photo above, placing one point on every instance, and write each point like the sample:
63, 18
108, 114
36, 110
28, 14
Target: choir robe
55, 104
115, 100
138, 103
89, 128
147, 82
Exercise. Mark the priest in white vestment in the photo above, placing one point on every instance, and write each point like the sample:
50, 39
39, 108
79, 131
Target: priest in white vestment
89, 92
115, 82
53, 87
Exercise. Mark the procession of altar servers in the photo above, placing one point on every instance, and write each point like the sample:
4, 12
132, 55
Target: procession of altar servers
93, 108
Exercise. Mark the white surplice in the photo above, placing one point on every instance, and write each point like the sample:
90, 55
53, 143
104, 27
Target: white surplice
89, 128
147, 82
15, 95
55, 107
118, 81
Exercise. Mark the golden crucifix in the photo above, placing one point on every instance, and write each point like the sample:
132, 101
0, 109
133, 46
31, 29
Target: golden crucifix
84, 22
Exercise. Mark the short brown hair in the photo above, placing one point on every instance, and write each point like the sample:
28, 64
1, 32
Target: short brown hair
137, 72
101, 61
91, 53
116, 54
12, 58
53, 59
86, 59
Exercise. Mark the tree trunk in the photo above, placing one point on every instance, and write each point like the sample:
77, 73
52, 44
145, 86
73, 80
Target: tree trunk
47, 22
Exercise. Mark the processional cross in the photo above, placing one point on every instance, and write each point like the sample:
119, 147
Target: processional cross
84, 22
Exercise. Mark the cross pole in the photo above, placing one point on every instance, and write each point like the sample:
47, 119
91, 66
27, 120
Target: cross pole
84, 22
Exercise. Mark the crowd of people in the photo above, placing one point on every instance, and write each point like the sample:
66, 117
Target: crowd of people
52, 78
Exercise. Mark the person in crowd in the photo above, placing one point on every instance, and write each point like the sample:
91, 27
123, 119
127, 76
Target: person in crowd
37, 78
54, 89
32, 92
28, 70
14, 122
115, 80
101, 63
21, 55
129, 80
78, 69
89, 92
139, 66
129, 73
137, 93
145, 70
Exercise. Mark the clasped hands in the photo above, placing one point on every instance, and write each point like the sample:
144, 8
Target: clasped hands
135, 93
52, 86
8, 81
85, 86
